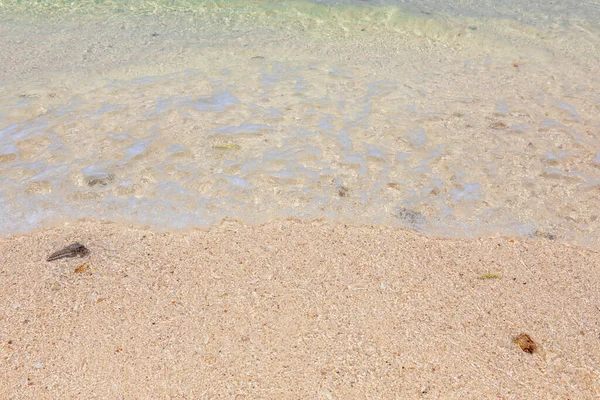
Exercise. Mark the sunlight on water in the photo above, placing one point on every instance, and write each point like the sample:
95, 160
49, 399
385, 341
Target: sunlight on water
450, 126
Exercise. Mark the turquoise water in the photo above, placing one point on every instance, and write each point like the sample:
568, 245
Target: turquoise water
455, 121
538, 11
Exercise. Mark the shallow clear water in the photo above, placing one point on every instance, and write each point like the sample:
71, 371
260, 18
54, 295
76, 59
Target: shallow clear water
456, 122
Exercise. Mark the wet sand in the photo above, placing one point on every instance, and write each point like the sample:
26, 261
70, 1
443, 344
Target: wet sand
295, 310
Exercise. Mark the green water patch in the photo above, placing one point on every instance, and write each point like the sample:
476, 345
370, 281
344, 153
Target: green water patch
230, 12
296, 8
294, 18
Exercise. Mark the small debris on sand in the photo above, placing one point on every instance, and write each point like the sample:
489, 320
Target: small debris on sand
72, 250
490, 276
81, 269
526, 343
498, 125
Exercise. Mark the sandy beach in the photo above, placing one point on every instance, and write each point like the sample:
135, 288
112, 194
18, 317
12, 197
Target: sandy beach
473, 126
295, 310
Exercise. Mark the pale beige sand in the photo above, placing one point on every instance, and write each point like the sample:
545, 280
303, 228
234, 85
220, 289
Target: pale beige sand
295, 310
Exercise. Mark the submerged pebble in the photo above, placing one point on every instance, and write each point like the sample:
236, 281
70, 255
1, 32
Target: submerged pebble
411, 218
99, 180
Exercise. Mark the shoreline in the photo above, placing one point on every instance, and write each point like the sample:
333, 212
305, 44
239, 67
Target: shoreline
68, 153
533, 237
294, 309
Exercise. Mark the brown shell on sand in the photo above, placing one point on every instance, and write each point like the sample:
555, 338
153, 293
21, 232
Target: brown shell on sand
81, 269
526, 343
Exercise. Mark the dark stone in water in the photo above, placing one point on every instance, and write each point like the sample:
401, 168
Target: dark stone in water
343, 191
545, 235
412, 219
100, 180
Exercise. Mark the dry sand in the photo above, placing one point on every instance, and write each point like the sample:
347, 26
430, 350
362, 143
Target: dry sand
295, 310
